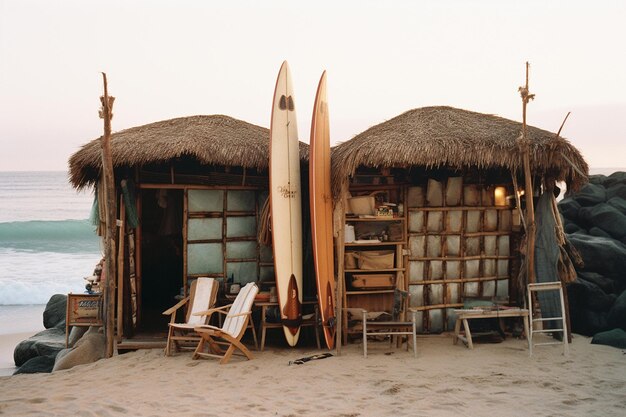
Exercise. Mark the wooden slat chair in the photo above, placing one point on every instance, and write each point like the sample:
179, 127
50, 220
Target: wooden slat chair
202, 297
223, 342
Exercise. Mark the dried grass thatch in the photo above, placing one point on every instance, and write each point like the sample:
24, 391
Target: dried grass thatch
212, 140
434, 137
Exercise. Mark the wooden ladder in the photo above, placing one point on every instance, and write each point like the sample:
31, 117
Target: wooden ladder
547, 286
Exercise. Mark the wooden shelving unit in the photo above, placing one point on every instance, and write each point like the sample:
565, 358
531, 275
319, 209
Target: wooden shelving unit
375, 299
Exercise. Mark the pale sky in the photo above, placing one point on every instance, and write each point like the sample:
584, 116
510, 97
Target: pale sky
167, 59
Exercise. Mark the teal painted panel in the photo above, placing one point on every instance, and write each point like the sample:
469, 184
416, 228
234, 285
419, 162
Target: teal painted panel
238, 250
204, 258
202, 229
205, 200
241, 226
242, 272
240, 201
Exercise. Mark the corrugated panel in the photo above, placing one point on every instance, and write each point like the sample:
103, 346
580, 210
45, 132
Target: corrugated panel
419, 318
503, 289
453, 293
453, 245
417, 246
472, 246
454, 190
416, 221
470, 289
471, 195
453, 269
416, 295
416, 271
434, 246
435, 293
415, 197
491, 221
454, 221
472, 268
503, 268
472, 224
489, 267
435, 221
434, 193
435, 270
505, 221
489, 288
435, 320
490, 245
504, 245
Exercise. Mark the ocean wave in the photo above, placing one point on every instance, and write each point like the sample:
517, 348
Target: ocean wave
65, 236
28, 277
25, 292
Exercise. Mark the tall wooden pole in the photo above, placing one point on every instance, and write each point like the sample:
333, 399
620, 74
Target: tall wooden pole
524, 144
111, 216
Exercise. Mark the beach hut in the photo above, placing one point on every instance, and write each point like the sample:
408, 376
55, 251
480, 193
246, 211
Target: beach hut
427, 203
191, 192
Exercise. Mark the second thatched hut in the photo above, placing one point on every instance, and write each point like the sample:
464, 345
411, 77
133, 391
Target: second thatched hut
428, 205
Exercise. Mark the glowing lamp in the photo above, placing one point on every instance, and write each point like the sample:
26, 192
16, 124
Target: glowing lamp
499, 195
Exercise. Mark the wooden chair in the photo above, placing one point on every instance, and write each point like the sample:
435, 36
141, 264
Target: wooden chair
202, 297
222, 342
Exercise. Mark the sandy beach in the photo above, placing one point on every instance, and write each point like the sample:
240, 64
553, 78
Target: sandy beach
444, 380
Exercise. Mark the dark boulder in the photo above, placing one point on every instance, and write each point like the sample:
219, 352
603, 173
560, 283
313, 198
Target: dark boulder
585, 294
606, 284
604, 256
615, 338
597, 179
588, 322
573, 228
609, 219
45, 343
618, 203
36, 365
618, 177
54, 314
569, 208
617, 314
590, 195
596, 231
617, 190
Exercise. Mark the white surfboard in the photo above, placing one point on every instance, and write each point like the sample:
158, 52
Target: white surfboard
285, 198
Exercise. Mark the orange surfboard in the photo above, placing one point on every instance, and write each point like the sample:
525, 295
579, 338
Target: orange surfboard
285, 201
322, 212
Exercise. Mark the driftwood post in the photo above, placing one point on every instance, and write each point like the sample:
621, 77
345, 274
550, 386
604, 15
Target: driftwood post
524, 144
111, 226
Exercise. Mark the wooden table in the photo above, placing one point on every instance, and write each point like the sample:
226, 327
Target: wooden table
313, 321
463, 316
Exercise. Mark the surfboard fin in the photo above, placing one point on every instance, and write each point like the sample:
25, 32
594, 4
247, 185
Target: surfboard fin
293, 308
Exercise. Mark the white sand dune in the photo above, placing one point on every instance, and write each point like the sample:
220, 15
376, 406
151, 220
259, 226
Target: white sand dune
445, 380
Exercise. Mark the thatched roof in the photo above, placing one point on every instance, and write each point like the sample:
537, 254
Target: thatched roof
434, 137
212, 140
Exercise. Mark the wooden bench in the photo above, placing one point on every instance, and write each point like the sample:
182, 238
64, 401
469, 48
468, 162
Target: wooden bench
464, 315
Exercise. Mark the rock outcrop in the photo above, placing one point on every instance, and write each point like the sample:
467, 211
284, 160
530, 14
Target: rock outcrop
595, 223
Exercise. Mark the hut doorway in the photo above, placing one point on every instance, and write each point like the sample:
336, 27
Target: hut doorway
161, 256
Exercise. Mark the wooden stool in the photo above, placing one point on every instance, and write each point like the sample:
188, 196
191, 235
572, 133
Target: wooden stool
390, 328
